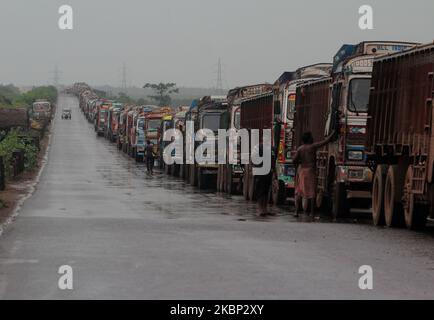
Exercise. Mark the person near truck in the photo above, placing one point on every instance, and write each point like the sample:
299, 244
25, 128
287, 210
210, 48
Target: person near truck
263, 185
305, 180
149, 156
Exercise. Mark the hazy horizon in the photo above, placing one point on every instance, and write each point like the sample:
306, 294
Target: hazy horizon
181, 41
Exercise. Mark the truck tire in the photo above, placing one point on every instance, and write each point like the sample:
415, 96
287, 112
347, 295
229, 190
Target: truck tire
277, 191
223, 186
167, 169
202, 180
378, 195
246, 182
178, 172
193, 175
393, 211
182, 171
219, 178
186, 172
340, 207
230, 188
414, 214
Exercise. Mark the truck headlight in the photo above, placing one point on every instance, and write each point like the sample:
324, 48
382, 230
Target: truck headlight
355, 155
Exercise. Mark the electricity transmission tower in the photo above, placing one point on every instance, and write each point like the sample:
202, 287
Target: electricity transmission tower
219, 84
124, 79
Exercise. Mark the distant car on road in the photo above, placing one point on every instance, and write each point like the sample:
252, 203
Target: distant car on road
66, 114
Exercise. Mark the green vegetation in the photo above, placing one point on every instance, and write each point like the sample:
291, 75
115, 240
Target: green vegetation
14, 141
162, 92
10, 96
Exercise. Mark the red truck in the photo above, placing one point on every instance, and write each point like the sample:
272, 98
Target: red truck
400, 144
101, 117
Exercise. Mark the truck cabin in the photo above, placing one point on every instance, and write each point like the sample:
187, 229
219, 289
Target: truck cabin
352, 71
41, 109
153, 124
213, 113
103, 114
349, 94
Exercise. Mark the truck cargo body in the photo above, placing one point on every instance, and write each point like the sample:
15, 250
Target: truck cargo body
257, 112
311, 109
230, 175
13, 117
101, 117
400, 137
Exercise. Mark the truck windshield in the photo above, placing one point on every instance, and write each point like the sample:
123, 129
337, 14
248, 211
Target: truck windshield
154, 124
211, 121
358, 98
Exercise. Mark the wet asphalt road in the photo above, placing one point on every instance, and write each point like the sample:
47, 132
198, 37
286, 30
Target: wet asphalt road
128, 235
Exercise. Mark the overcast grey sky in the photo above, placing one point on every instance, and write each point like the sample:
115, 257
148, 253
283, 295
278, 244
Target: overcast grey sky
181, 40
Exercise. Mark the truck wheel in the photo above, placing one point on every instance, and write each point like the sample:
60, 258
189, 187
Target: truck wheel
415, 215
202, 182
393, 212
219, 178
246, 182
228, 180
378, 195
167, 169
193, 175
176, 170
339, 201
223, 187
181, 171
186, 172
277, 191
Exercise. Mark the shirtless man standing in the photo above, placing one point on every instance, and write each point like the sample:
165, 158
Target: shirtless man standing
305, 182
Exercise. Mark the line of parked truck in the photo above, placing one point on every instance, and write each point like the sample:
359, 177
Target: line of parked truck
377, 98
